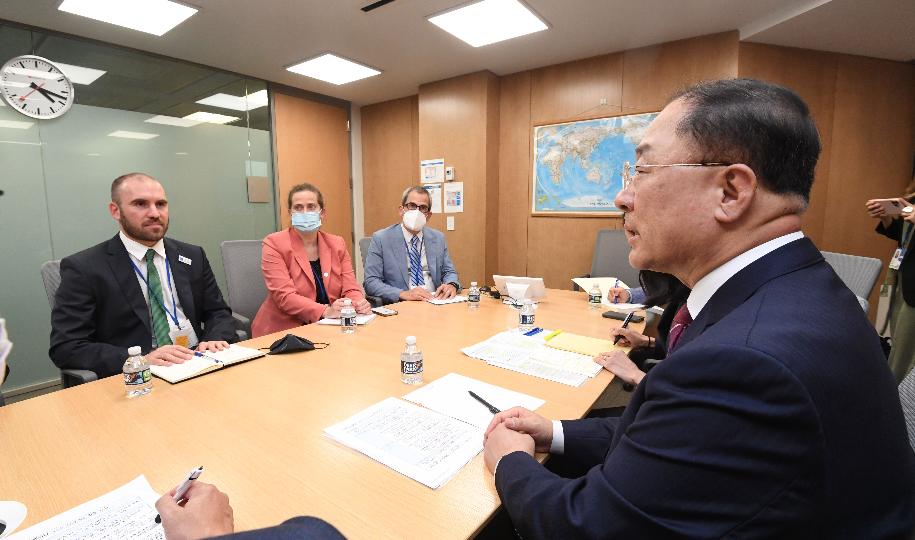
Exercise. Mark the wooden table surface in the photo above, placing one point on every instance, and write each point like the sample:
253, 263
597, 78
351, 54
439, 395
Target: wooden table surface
257, 427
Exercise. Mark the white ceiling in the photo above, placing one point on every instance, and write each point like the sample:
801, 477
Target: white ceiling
260, 38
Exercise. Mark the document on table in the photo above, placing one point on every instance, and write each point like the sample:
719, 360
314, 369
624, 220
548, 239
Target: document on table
127, 512
530, 355
360, 319
450, 396
443, 301
422, 444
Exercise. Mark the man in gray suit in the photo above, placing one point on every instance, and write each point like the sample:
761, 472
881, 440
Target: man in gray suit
409, 261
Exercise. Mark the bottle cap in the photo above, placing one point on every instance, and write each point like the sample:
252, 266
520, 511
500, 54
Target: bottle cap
473, 283
411, 340
134, 351
347, 302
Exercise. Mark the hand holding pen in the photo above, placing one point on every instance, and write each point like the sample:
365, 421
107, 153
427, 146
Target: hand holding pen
626, 322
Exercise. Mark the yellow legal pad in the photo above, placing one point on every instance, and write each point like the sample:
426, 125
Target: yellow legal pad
567, 341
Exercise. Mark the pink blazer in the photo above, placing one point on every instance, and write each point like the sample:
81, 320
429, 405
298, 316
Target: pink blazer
291, 289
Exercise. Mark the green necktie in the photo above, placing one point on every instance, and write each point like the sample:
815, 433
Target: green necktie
159, 317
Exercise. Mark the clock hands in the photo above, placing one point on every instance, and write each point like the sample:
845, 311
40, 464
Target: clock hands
47, 93
32, 85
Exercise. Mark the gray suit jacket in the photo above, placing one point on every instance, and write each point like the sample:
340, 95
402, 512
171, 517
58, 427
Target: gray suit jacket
386, 267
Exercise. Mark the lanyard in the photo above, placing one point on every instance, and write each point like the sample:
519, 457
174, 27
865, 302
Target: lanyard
168, 277
907, 230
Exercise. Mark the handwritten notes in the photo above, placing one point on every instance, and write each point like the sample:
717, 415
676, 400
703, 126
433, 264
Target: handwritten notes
424, 445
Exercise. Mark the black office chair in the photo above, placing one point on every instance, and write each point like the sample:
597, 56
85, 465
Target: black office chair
50, 275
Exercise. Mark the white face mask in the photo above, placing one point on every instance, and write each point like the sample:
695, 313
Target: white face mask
414, 220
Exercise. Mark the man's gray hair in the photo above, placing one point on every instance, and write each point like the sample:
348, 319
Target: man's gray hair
415, 189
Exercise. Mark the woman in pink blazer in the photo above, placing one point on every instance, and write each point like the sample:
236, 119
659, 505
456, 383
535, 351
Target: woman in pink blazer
308, 272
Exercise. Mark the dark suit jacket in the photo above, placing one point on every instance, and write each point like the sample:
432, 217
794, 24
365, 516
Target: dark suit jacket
297, 528
775, 417
907, 268
99, 311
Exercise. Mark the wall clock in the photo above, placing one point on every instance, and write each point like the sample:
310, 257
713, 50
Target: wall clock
35, 87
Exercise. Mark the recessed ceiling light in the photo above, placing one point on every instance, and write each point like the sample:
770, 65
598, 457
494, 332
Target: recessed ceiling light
151, 16
15, 124
489, 21
133, 135
237, 103
333, 69
93, 154
180, 153
79, 74
172, 121
211, 118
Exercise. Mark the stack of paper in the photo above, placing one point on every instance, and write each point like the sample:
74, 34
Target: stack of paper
360, 319
589, 346
442, 302
530, 355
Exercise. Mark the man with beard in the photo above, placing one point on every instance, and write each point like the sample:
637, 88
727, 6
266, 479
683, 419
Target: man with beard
137, 288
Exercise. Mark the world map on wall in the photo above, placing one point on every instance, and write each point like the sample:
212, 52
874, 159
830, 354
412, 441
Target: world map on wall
577, 165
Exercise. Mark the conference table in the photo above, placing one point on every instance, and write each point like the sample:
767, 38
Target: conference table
257, 427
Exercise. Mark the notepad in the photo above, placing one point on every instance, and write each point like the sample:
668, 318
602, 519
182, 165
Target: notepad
567, 341
210, 361
360, 319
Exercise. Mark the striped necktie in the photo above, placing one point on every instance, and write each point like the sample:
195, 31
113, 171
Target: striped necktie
682, 320
416, 265
159, 318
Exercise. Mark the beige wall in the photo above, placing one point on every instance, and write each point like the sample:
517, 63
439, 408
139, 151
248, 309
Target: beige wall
864, 109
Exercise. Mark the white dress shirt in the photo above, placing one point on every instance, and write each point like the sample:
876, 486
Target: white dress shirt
427, 275
137, 252
703, 291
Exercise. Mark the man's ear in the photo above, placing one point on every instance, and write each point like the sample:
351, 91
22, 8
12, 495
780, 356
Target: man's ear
737, 184
114, 211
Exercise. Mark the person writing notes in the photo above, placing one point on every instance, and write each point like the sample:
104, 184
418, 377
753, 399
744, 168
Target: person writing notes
753, 426
409, 261
308, 272
138, 288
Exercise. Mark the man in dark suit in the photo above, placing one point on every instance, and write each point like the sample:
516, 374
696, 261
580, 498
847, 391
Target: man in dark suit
409, 261
138, 288
774, 414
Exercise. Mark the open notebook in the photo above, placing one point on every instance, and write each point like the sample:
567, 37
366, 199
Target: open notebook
205, 363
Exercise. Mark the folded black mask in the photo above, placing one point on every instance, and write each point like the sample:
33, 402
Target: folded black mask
292, 343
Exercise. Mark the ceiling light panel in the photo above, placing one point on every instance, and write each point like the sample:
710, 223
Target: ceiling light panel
79, 74
172, 121
237, 103
489, 21
333, 69
211, 118
133, 135
151, 16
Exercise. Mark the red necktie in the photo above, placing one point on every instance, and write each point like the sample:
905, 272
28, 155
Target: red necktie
680, 323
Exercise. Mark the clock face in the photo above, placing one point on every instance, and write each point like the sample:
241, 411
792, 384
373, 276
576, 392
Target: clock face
35, 87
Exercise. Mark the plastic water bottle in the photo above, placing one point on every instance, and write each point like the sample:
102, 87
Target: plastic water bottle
348, 317
594, 297
473, 296
137, 376
526, 316
411, 363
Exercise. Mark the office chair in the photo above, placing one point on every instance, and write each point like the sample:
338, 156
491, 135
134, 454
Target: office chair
907, 399
611, 258
858, 273
364, 244
50, 275
246, 290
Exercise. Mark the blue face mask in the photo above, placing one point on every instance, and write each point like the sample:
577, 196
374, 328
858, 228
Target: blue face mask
306, 221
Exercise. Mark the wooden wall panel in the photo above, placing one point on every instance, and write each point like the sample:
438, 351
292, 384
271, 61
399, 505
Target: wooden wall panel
454, 124
514, 173
652, 74
812, 74
390, 158
491, 241
312, 145
579, 90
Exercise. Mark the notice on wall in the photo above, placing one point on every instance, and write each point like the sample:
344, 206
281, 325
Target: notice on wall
432, 170
454, 197
435, 193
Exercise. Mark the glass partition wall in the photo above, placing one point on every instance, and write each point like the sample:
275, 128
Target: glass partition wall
200, 131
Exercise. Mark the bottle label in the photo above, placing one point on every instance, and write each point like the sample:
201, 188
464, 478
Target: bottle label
527, 319
473, 297
348, 321
138, 378
411, 368
594, 298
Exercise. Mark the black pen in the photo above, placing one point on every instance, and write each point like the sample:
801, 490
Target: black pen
484, 402
626, 322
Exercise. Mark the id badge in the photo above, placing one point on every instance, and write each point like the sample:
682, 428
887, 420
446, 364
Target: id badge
896, 261
182, 336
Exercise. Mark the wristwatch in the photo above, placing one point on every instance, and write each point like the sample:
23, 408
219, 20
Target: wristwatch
457, 287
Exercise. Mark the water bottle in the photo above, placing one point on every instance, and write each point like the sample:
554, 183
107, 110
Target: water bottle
526, 317
473, 296
411, 363
137, 376
594, 297
348, 317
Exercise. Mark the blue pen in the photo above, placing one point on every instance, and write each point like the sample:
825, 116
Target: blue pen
533, 332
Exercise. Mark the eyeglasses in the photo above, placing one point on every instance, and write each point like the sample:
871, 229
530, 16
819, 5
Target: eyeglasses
629, 178
413, 206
